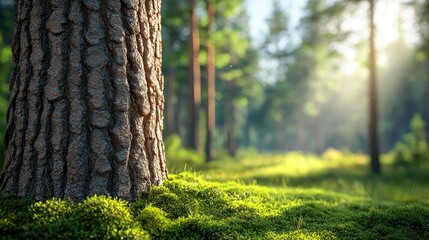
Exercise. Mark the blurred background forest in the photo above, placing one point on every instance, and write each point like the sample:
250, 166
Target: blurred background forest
280, 76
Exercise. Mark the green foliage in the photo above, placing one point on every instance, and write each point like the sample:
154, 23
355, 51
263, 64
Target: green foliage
5, 70
413, 150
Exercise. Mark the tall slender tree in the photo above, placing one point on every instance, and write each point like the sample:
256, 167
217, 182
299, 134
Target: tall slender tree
175, 59
86, 108
211, 78
424, 31
425, 20
194, 79
171, 99
372, 130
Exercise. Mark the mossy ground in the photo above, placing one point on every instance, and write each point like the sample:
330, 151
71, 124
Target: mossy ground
270, 197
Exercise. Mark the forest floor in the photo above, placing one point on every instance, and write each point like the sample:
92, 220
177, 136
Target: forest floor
253, 196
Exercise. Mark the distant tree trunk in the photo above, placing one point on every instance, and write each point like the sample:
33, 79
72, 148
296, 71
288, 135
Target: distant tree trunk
171, 85
373, 136
211, 68
246, 134
318, 145
300, 132
86, 107
280, 135
229, 119
194, 80
426, 39
181, 114
426, 99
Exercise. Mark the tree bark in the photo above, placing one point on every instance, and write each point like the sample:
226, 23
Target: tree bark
194, 80
373, 136
86, 107
211, 77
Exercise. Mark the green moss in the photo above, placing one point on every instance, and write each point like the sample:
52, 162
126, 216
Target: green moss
95, 218
198, 206
303, 235
213, 210
154, 220
104, 217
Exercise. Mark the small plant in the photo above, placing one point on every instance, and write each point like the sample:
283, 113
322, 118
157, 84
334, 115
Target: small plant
298, 222
414, 148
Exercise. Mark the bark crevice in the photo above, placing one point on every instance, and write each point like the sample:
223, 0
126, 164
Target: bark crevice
85, 115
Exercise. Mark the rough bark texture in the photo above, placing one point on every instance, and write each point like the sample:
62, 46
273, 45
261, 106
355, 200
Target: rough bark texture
194, 80
373, 136
211, 91
86, 107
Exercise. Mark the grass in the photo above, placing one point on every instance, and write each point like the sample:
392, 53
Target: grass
336, 171
254, 196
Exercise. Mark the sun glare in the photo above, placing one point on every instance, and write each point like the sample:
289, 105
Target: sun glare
387, 19
392, 19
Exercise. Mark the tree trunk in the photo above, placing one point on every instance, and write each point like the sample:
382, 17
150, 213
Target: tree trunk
181, 114
426, 43
300, 132
209, 150
373, 137
194, 80
280, 135
171, 126
229, 119
426, 99
318, 145
86, 107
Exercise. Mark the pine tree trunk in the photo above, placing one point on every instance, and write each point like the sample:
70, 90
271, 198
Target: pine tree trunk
209, 150
86, 107
373, 136
194, 80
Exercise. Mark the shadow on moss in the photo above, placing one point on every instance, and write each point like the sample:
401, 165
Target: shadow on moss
189, 207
